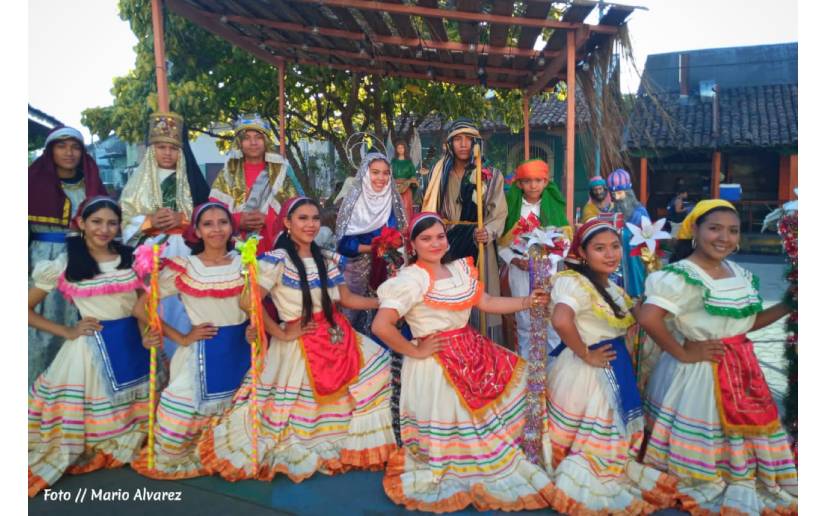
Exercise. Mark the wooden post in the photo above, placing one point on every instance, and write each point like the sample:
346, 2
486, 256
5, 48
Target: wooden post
281, 109
570, 125
794, 180
643, 193
160, 57
525, 108
784, 191
715, 174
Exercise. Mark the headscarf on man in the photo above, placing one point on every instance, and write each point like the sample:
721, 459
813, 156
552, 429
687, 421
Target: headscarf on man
440, 174
364, 209
48, 203
231, 181
552, 204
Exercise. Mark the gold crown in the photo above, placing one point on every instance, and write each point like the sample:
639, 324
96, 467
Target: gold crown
166, 128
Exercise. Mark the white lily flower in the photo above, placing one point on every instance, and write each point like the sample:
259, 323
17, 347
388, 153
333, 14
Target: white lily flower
648, 233
541, 237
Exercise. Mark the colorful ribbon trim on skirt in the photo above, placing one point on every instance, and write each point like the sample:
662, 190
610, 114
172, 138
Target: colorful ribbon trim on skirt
125, 362
746, 406
333, 357
222, 363
476, 367
619, 382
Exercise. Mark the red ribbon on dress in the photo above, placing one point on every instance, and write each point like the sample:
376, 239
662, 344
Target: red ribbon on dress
332, 355
479, 369
746, 406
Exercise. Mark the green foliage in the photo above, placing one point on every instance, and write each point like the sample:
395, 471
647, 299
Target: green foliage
211, 82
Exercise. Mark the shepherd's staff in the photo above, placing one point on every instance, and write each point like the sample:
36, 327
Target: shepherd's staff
482, 319
248, 252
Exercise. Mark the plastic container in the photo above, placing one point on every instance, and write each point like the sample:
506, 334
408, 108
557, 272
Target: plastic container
730, 192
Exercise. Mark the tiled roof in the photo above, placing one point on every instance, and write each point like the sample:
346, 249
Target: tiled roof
754, 116
543, 115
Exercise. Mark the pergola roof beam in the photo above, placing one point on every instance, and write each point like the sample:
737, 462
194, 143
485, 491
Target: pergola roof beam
449, 14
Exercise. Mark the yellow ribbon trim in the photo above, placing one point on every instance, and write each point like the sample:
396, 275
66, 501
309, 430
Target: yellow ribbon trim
600, 308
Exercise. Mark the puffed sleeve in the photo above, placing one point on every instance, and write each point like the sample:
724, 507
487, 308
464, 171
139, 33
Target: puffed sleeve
271, 268
172, 268
568, 291
405, 290
47, 273
669, 291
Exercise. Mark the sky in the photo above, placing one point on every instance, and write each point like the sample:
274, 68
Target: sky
73, 68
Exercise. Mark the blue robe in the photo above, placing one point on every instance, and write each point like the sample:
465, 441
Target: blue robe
348, 246
633, 269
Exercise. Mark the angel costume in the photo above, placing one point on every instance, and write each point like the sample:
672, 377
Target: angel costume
716, 426
462, 409
205, 375
361, 218
255, 187
53, 203
89, 409
324, 396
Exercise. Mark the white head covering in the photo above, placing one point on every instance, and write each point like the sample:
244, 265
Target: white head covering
364, 209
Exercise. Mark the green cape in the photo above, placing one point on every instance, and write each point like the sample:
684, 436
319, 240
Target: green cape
551, 211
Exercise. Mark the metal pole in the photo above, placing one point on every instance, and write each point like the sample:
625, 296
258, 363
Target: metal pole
160, 56
281, 108
525, 107
569, 167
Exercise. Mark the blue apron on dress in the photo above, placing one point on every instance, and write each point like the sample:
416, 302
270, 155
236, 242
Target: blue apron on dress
619, 382
222, 364
124, 360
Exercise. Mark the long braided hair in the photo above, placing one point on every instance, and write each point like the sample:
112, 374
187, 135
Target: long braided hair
285, 242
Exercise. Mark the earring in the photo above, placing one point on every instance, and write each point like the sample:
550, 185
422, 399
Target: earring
737, 249
693, 243
82, 234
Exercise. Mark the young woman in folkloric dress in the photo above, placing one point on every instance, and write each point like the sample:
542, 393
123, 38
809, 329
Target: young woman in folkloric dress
462, 396
213, 358
713, 422
324, 389
594, 407
59, 180
89, 409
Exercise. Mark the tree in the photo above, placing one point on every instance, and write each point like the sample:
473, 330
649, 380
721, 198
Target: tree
211, 81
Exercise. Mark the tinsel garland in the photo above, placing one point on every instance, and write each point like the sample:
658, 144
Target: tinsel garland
541, 270
789, 231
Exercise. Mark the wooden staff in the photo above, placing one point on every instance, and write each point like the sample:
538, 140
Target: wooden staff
480, 218
157, 326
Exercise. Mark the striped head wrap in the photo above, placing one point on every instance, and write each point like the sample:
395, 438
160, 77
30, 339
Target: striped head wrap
189, 235
597, 181
421, 217
583, 234
74, 226
619, 179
